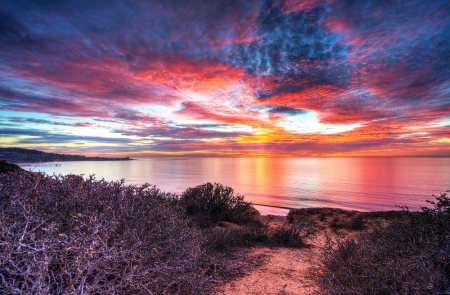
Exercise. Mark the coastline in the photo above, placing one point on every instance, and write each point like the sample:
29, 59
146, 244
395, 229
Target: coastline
28, 156
361, 190
84, 159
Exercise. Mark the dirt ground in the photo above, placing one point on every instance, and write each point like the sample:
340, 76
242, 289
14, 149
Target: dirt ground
285, 271
288, 271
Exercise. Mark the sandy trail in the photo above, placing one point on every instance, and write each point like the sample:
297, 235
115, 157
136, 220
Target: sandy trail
288, 271
284, 272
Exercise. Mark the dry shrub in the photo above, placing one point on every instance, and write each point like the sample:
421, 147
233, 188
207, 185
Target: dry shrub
408, 256
64, 235
294, 234
227, 239
354, 223
323, 213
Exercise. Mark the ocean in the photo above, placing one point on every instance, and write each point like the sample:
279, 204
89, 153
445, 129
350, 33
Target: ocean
274, 185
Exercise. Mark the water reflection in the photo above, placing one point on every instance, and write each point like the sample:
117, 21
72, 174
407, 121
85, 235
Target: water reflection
349, 183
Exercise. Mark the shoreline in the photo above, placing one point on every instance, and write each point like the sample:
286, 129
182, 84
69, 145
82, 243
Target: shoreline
290, 190
29, 156
265, 210
86, 159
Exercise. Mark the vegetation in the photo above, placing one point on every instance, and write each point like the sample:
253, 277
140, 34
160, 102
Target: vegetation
411, 255
210, 203
69, 235
63, 234
294, 234
227, 221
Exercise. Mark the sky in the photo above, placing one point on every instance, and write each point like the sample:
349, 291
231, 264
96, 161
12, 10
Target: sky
226, 78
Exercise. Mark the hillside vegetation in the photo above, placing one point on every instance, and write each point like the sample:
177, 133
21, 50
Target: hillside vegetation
410, 255
70, 235
66, 234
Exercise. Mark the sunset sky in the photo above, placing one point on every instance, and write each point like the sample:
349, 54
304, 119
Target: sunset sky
226, 78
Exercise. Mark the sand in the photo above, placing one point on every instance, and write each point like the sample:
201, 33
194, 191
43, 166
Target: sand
289, 271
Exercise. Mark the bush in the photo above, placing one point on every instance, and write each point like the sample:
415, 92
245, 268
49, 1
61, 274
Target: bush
294, 234
227, 239
354, 223
409, 256
64, 235
209, 203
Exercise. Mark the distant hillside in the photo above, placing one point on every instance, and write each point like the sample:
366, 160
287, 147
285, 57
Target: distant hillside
19, 155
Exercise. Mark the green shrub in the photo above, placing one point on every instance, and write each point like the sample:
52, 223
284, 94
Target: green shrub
409, 256
209, 203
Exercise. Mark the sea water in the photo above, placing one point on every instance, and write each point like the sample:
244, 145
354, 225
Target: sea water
276, 184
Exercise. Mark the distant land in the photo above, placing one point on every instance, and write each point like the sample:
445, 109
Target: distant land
20, 155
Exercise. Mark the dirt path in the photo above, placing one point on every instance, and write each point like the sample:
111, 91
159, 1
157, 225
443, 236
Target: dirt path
287, 271
284, 272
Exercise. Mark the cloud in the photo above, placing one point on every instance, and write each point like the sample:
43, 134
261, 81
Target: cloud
224, 76
285, 40
34, 136
191, 133
48, 122
286, 110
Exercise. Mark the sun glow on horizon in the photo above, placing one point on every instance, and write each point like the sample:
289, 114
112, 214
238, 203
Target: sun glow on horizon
309, 123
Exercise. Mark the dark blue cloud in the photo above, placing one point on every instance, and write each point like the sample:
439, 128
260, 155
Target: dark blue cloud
296, 49
42, 136
10, 28
48, 122
182, 133
411, 38
12, 99
406, 59
293, 44
131, 30
286, 110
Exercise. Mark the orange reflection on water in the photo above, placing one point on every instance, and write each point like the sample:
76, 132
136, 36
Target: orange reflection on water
350, 183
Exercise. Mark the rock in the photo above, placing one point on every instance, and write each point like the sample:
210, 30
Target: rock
10, 168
